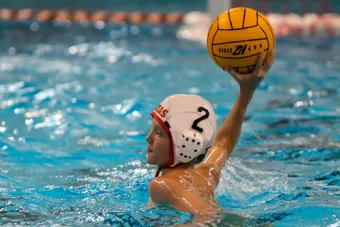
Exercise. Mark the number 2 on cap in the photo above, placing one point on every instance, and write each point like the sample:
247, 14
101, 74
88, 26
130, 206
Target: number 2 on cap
198, 120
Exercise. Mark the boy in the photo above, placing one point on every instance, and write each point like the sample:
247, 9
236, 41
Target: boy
184, 132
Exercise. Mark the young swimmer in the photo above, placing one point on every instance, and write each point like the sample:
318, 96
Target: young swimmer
184, 132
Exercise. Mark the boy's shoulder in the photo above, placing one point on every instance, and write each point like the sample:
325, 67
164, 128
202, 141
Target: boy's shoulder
162, 189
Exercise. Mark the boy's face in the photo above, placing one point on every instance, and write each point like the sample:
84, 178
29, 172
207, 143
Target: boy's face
158, 145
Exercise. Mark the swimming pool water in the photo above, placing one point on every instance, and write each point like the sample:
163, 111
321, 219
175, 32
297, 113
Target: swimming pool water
74, 113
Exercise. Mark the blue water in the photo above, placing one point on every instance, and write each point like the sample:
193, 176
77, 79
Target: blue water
74, 113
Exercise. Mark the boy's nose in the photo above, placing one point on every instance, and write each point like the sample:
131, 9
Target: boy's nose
149, 138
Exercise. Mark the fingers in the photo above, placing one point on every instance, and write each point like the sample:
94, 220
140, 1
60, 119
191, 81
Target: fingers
259, 63
231, 71
268, 64
260, 69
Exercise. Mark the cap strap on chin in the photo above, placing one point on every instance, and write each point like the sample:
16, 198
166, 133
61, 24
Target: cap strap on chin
158, 171
164, 166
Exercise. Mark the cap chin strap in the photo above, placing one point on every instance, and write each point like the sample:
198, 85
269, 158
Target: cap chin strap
165, 166
158, 171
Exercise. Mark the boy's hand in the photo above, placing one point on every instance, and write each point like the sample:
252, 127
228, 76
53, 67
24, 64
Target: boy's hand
249, 82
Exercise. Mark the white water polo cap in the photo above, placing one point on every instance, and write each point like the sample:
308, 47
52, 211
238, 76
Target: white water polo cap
190, 123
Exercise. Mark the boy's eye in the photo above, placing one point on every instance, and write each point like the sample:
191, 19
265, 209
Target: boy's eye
159, 132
